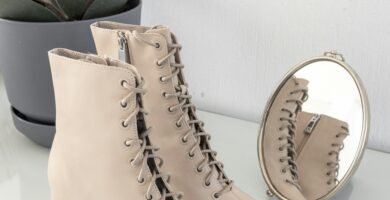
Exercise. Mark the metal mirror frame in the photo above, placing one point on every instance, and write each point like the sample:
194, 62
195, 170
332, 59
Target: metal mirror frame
337, 58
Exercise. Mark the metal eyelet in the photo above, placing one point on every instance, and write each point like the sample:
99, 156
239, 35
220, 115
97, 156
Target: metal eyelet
178, 125
216, 195
127, 143
149, 198
170, 109
124, 105
191, 155
162, 79
124, 125
207, 184
199, 170
184, 141
131, 161
158, 64
157, 45
141, 181
284, 171
164, 94
280, 148
123, 82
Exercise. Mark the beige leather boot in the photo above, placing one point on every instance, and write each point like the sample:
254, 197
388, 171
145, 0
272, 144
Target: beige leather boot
279, 146
180, 135
101, 149
319, 140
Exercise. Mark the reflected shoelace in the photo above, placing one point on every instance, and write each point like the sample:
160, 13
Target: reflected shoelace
334, 164
196, 125
289, 123
146, 151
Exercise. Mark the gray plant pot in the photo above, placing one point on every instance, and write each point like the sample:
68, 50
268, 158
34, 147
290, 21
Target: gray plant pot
26, 71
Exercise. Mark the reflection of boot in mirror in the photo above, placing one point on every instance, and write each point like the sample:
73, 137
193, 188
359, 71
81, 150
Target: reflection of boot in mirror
319, 140
101, 149
279, 146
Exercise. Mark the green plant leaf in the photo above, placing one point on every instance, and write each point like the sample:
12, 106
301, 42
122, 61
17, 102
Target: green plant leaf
53, 6
75, 9
103, 8
25, 10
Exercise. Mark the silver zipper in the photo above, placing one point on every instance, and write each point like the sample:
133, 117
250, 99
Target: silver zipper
312, 124
308, 131
123, 50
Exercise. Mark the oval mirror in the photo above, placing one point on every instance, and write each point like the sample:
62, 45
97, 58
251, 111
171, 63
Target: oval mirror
314, 130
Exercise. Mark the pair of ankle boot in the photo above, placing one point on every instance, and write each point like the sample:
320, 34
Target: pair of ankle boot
306, 146
110, 111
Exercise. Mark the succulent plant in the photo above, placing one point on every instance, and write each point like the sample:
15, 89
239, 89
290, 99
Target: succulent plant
61, 10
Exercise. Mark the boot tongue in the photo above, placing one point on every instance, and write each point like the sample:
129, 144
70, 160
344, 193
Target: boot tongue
162, 30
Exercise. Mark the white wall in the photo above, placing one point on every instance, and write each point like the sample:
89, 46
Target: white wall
237, 51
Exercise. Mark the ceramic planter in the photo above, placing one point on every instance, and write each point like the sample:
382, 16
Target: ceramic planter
25, 67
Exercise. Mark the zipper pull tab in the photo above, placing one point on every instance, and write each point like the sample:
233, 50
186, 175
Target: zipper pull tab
123, 51
312, 123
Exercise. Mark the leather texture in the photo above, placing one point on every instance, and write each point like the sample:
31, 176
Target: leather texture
88, 160
313, 159
179, 162
270, 148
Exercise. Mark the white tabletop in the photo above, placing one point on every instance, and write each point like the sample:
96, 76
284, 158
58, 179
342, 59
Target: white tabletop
23, 164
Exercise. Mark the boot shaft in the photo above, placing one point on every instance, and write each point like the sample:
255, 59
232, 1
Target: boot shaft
143, 48
92, 154
154, 51
88, 92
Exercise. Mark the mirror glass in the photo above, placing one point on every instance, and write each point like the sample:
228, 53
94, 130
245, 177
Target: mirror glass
314, 130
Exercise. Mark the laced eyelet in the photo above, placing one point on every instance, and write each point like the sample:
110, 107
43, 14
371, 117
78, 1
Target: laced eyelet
131, 161
162, 79
170, 109
157, 45
150, 197
184, 141
127, 143
124, 105
141, 181
123, 82
124, 125
158, 64
199, 170
280, 138
281, 160
191, 155
164, 94
280, 148
216, 195
178, 125
207, 184
284, 171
